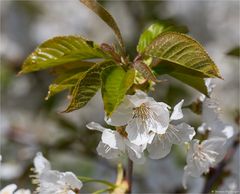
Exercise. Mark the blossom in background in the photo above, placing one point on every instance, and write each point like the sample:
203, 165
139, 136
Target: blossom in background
52, 181
115, 143
9, 189
141, 115
211, 116
9, 170
162, 143
202, 156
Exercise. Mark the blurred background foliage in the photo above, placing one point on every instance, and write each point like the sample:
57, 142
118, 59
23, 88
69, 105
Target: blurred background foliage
30, 124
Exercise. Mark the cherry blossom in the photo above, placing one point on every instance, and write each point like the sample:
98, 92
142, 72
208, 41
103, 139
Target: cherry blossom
162, 143
52, 181
113, 144
10, 189
141, 115
211, 116
202, 156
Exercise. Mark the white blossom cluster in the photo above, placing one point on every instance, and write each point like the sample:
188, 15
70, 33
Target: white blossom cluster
48, 181
142, 124
202, 156
52, 181
11, 189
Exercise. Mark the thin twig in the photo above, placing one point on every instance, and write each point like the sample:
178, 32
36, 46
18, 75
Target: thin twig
129, 172
220, 167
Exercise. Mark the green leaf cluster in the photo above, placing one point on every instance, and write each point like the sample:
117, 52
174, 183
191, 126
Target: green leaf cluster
78, 65
83, 67
177, 55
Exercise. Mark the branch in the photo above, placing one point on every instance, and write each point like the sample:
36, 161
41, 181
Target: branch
129, 172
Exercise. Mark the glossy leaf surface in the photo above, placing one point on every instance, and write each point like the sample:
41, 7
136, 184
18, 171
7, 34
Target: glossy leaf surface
116, 83
193, 79
87, 86
67, 76
61, 50
182, 50
154, 30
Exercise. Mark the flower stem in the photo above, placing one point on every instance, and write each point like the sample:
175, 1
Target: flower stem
129, 173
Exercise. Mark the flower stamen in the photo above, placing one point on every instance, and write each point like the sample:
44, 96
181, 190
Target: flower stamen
142, 112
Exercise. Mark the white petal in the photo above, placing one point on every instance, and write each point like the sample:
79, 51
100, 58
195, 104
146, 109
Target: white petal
134, 157
185, 178
49, 182
23, 191
210, 113
228, 131
202, 97
151, 137
215, 149
41, 164
121, 115
95, 126
210, 88
139, 97
9, 189
70, 179
177, 111
113, 139
160, 147
138, 132
107, 152
49, 177
214, 144
220, 129
196, 166
192, 149
202, 128
209, 84
159, 118
180, 133
135, 153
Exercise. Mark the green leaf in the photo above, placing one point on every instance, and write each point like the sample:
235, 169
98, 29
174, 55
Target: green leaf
195, 82
183, 51
116, 83
87, 86
67, 76
184, 75
106, 17
61, 50
76, 66
155, 29
68, 83
234, 52
166, 67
